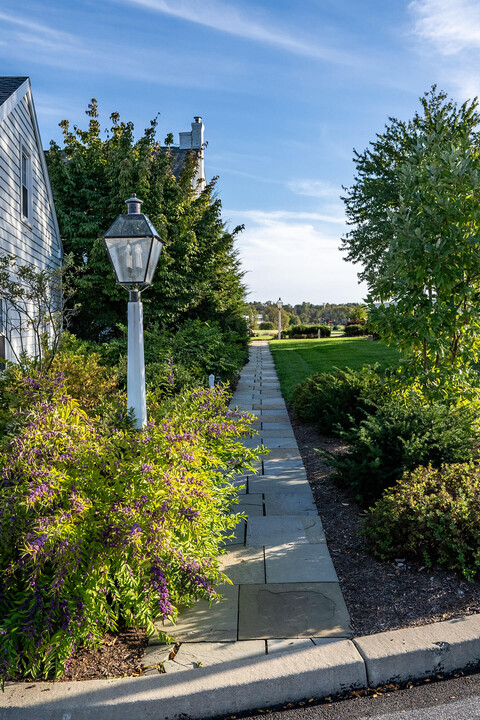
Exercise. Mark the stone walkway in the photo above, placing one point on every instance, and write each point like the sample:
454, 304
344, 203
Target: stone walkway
285, 593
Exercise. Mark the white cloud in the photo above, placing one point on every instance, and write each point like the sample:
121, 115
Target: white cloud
451, 26
448, 39
226, 18
296, 256
272, 217
314, 188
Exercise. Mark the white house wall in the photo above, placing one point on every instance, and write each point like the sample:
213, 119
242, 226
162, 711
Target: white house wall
35, 242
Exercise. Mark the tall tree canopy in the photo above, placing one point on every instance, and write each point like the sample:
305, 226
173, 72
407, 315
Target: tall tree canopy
414, 208
198, 275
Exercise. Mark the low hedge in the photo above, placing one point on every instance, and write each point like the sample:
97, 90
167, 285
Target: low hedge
356, 330
433, 516
306, 331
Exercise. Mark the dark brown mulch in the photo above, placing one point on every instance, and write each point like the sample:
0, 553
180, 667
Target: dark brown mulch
119, 655
379, 595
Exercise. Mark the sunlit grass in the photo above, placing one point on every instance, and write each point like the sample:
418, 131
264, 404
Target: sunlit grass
295, 360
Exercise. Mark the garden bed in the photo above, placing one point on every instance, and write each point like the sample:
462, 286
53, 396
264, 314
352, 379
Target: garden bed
379, 595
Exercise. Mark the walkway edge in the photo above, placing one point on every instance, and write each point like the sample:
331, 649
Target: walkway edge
394, 656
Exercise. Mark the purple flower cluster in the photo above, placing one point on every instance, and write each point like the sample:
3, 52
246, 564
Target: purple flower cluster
189, 513
160, 587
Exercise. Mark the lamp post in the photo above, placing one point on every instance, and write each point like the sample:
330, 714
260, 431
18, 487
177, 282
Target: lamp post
133, 246
279, 306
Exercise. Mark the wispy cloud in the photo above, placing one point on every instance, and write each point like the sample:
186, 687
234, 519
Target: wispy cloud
314, 188
448, 35
450, 25
55, 48
228, 19
45, 33
294, 255
271, 217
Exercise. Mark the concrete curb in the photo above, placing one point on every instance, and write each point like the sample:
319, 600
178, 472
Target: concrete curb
415, 653
204, 692
232, 687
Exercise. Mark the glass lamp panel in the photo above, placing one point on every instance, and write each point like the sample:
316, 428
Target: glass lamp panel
129, 258
152, 264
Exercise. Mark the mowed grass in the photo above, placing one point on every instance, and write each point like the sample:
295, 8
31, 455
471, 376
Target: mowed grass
295, 360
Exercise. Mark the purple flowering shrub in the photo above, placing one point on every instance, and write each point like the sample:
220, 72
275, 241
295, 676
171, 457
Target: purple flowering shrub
101, 527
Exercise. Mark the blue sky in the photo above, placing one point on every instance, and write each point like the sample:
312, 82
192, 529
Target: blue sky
286, 89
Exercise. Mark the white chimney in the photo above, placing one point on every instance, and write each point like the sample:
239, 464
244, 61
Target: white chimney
197, 133
194, 140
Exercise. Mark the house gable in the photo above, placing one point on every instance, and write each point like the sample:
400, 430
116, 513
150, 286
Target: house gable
28, 223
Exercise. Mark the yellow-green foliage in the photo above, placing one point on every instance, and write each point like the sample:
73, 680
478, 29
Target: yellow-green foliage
100, 525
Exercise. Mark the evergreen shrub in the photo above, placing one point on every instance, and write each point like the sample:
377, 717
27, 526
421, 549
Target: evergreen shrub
399, 438
432, 515
339, 399
102, 527
356, 330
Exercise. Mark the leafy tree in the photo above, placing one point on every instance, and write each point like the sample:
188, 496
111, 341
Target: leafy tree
416, 216
38, 305
198, 275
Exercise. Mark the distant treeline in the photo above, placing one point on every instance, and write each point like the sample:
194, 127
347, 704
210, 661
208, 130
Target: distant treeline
305, 313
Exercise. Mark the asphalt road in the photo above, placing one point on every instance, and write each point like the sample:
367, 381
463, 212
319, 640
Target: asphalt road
453, 699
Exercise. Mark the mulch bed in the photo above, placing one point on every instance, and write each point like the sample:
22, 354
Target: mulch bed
119, 655
379, 595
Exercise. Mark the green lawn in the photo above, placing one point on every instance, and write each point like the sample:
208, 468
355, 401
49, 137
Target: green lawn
295, 360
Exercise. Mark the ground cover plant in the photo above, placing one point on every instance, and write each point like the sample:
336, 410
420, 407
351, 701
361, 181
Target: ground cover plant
296, 360
104, 527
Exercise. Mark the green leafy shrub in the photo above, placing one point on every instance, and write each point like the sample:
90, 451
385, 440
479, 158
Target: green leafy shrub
184, 359
202, 348
266, 326
86, 379
398, 438
101, 527
356, 330
432, 515
341, 398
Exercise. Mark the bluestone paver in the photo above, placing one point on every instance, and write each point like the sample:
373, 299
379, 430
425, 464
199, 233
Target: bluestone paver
276, 530
282, 503
215, 622
251, 504
291, 610
292, 563
244, 565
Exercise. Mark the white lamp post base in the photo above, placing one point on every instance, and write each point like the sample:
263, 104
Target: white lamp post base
136, 394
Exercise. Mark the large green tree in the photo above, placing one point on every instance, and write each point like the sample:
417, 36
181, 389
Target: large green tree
415, 214
198, 275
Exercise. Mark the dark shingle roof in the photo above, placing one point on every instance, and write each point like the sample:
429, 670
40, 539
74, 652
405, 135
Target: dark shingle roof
179, 157
8, 85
